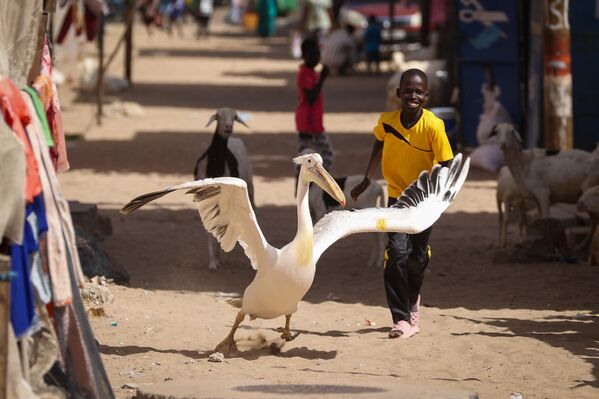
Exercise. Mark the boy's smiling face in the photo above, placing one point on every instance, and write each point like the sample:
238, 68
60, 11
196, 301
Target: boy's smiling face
413, 93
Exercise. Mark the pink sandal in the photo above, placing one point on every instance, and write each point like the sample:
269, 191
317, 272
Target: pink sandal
401, 329
415, 316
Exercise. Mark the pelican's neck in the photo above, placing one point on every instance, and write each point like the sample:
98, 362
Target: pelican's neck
304, 221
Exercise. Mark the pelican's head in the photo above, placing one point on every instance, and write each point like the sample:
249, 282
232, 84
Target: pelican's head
311, 170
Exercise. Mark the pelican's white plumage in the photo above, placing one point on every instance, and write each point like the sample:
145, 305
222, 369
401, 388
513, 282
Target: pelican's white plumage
284, 275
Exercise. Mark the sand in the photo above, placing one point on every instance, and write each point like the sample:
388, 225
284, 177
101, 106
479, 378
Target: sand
486, 328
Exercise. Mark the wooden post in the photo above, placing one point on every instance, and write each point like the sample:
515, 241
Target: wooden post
100, 80
129, 39
4, 322
557, 76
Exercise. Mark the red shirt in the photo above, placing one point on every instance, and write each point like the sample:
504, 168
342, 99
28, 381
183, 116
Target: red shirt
308, 118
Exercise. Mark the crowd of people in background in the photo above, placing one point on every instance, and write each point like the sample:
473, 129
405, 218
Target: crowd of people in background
343, 42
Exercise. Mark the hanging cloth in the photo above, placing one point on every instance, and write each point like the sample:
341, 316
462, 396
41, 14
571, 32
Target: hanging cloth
41, 114
16, 116
22, 305
61, 239
12, 181
53, 114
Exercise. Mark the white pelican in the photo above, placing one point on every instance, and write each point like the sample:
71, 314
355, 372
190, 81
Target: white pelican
284, 275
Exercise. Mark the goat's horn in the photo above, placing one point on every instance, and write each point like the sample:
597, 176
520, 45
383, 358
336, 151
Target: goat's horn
213, 118
238, 119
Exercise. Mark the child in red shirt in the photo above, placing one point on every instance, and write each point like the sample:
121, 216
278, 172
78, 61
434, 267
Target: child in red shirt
309, 112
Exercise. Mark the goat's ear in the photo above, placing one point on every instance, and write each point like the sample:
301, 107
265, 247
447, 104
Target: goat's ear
238, 119
213, 118
517, 134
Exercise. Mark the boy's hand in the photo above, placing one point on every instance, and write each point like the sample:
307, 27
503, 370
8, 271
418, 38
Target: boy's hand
359, 189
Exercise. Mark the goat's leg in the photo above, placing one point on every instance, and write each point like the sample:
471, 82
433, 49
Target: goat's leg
543, 198
502, 224
522, 221
228, 345
214, 261
589, 237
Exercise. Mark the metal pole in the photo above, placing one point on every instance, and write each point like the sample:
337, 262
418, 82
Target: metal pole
557, 76
100, 81
129, 39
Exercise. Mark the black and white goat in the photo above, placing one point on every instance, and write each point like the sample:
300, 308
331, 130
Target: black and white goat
226, 156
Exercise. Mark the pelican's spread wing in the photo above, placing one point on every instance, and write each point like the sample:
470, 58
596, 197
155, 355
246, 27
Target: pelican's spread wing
225, 210
418, 207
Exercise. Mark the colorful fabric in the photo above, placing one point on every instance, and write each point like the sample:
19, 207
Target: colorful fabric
17, 116
407, 152
22, 304
53, 114
61, 243
308, 117
41, 114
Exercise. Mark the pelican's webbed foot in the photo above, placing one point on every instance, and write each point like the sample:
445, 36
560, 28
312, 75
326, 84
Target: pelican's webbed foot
227, 346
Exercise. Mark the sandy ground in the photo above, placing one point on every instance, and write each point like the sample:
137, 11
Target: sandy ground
491, 329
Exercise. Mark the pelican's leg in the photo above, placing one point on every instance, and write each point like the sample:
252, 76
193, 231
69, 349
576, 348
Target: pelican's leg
286, 335
228, 344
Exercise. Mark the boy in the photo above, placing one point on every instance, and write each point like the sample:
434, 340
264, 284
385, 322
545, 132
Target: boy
409, 141
309, 112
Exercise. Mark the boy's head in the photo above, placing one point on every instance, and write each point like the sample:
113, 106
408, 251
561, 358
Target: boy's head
413, 90
310, 52
372, 19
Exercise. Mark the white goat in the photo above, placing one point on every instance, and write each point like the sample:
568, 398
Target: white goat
321, 203
226, 156
546, 178
589, 203
510, 205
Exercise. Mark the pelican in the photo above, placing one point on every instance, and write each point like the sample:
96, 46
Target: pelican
284, 275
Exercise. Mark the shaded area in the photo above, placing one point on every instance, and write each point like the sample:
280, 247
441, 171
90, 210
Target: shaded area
308, 389
270, 53
579, 336
270, 153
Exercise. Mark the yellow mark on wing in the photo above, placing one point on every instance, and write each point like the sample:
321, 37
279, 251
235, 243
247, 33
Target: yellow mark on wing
381, 224
304, 250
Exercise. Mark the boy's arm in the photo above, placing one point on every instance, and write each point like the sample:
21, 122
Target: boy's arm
375, 158
313, 92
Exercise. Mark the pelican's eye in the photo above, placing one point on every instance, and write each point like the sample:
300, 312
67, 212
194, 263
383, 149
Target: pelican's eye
309, 161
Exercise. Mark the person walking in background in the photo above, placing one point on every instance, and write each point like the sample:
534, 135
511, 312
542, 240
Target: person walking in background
408, 141
372, 44
203, 10
315, 19
267, 12
339, 50
309, 112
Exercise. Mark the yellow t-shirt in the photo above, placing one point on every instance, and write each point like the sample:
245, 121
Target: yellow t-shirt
407, 152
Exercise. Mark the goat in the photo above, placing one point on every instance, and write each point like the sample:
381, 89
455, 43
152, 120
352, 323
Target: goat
321, 203
589, 203
546, 178
510, 201
226, 156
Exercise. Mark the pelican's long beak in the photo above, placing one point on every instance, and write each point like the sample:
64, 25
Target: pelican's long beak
328, 184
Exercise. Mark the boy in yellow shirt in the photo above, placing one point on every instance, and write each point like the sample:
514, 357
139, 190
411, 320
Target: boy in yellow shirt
408, 141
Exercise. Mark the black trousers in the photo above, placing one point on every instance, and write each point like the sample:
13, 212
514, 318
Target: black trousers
407, 258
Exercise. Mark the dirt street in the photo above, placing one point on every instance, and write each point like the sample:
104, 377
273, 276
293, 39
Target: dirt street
490, 329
